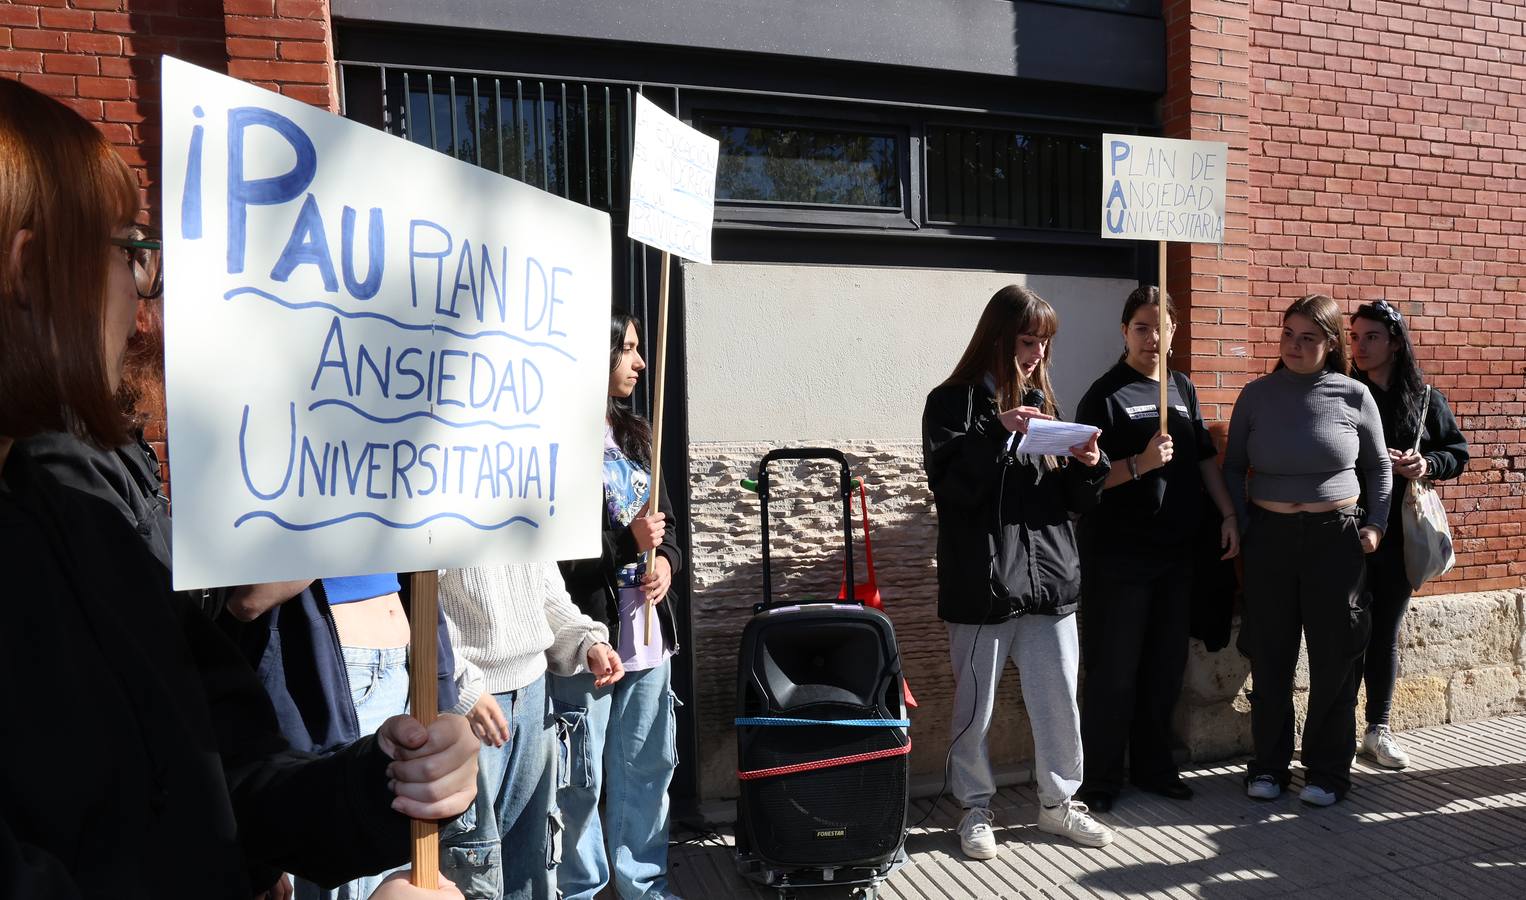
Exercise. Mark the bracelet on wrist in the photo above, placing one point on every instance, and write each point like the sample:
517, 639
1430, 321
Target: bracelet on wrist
1134, 468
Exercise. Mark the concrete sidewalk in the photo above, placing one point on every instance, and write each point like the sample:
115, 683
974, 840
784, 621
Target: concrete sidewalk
1452, 825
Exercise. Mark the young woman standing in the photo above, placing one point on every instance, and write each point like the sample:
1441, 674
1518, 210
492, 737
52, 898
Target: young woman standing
1136, 558
1008, 576
630, 750
1384, 360
1314, 440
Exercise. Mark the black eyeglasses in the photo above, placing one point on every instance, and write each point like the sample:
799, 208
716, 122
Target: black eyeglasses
146, 254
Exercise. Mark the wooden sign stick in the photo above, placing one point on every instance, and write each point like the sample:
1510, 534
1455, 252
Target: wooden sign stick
1164, 344
659, 377
423, 594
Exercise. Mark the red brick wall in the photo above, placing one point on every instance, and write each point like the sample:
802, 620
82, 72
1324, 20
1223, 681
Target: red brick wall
285, 46
1388, 159
1207, 68
102, 57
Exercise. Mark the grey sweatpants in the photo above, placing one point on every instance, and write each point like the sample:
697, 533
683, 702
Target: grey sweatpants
1047, 655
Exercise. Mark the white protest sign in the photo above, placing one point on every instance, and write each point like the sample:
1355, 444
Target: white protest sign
379, 358
672, 184
1157, 189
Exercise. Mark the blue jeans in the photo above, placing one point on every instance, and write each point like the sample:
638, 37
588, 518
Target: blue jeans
379, 690
504, 845
624, 744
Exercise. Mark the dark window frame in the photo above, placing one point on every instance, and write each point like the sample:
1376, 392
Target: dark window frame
702, 107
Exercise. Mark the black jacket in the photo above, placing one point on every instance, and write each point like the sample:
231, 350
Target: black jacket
592, 582
1006, 546
1441, 443
142, 757
127, 477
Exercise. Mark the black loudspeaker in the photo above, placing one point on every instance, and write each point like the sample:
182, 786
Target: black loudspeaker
829, 796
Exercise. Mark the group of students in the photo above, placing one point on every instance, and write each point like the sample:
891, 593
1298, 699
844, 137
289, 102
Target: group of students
263, 730
255, 741
1308, 495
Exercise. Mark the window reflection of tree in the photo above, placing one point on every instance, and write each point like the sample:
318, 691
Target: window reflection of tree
794, 165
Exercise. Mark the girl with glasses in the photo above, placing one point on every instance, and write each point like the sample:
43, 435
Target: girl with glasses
1137, 558
147, 761
1384, 360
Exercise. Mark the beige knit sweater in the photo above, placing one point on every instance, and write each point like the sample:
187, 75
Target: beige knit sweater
508, 622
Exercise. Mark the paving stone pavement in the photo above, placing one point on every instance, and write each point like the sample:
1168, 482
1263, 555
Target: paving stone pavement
1451, 825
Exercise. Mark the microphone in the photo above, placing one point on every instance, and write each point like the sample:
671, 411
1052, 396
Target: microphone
1032, 397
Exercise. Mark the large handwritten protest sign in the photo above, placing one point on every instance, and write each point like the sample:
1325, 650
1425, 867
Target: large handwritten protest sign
672, 184
1157, 189
379, 358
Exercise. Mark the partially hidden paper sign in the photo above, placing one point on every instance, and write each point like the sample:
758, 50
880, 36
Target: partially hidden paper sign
1158, 189
379, 358
672, 184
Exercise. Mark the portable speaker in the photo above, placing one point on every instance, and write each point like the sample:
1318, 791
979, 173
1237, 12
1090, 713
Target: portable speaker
830, 795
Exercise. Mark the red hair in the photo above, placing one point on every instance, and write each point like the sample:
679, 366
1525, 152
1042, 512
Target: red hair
63, 184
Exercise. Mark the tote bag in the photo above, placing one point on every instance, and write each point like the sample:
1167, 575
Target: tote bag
1427, 536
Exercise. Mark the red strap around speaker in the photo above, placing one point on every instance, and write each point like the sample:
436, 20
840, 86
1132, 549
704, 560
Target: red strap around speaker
824, 763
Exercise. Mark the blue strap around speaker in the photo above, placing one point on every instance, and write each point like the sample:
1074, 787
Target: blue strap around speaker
852, 723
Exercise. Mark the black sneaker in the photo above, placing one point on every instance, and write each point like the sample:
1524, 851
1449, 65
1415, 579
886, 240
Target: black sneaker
1097, 801
1175, 788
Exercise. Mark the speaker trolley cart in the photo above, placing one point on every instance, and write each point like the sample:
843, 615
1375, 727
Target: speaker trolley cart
822, 731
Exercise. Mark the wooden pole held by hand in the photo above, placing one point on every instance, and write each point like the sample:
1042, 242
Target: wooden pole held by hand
659, 359
424, 600
1165, 346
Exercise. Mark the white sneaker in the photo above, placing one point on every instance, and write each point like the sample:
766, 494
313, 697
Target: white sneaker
1380, 744
1073, 820
1314, 795
1263, 787
976, 837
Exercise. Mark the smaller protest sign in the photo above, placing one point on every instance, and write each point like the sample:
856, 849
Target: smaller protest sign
672, 184
1157, 189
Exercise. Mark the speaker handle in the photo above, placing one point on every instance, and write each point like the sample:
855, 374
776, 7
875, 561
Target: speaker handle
806, 453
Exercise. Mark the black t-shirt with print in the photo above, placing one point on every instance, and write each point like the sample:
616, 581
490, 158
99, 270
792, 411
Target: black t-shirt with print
1162, 508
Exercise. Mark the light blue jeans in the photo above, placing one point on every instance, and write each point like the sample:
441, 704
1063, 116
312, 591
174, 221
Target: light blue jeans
379, 690
506, 845
623, 743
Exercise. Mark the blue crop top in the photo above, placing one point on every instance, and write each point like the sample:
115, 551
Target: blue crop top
360, 587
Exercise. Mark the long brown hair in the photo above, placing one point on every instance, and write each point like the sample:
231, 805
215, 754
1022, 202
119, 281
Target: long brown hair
1011, 312
1325, 313
61, 181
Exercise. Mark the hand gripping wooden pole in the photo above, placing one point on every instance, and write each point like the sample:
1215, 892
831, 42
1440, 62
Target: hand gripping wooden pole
1165, 345
423, 596
659, 359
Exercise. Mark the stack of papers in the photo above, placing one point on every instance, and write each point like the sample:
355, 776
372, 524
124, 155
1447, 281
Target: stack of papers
1049, 438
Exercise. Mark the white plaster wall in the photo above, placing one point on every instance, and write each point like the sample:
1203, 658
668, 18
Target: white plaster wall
822, 353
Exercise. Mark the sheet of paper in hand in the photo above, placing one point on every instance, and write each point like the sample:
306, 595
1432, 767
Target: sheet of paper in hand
1047, 438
